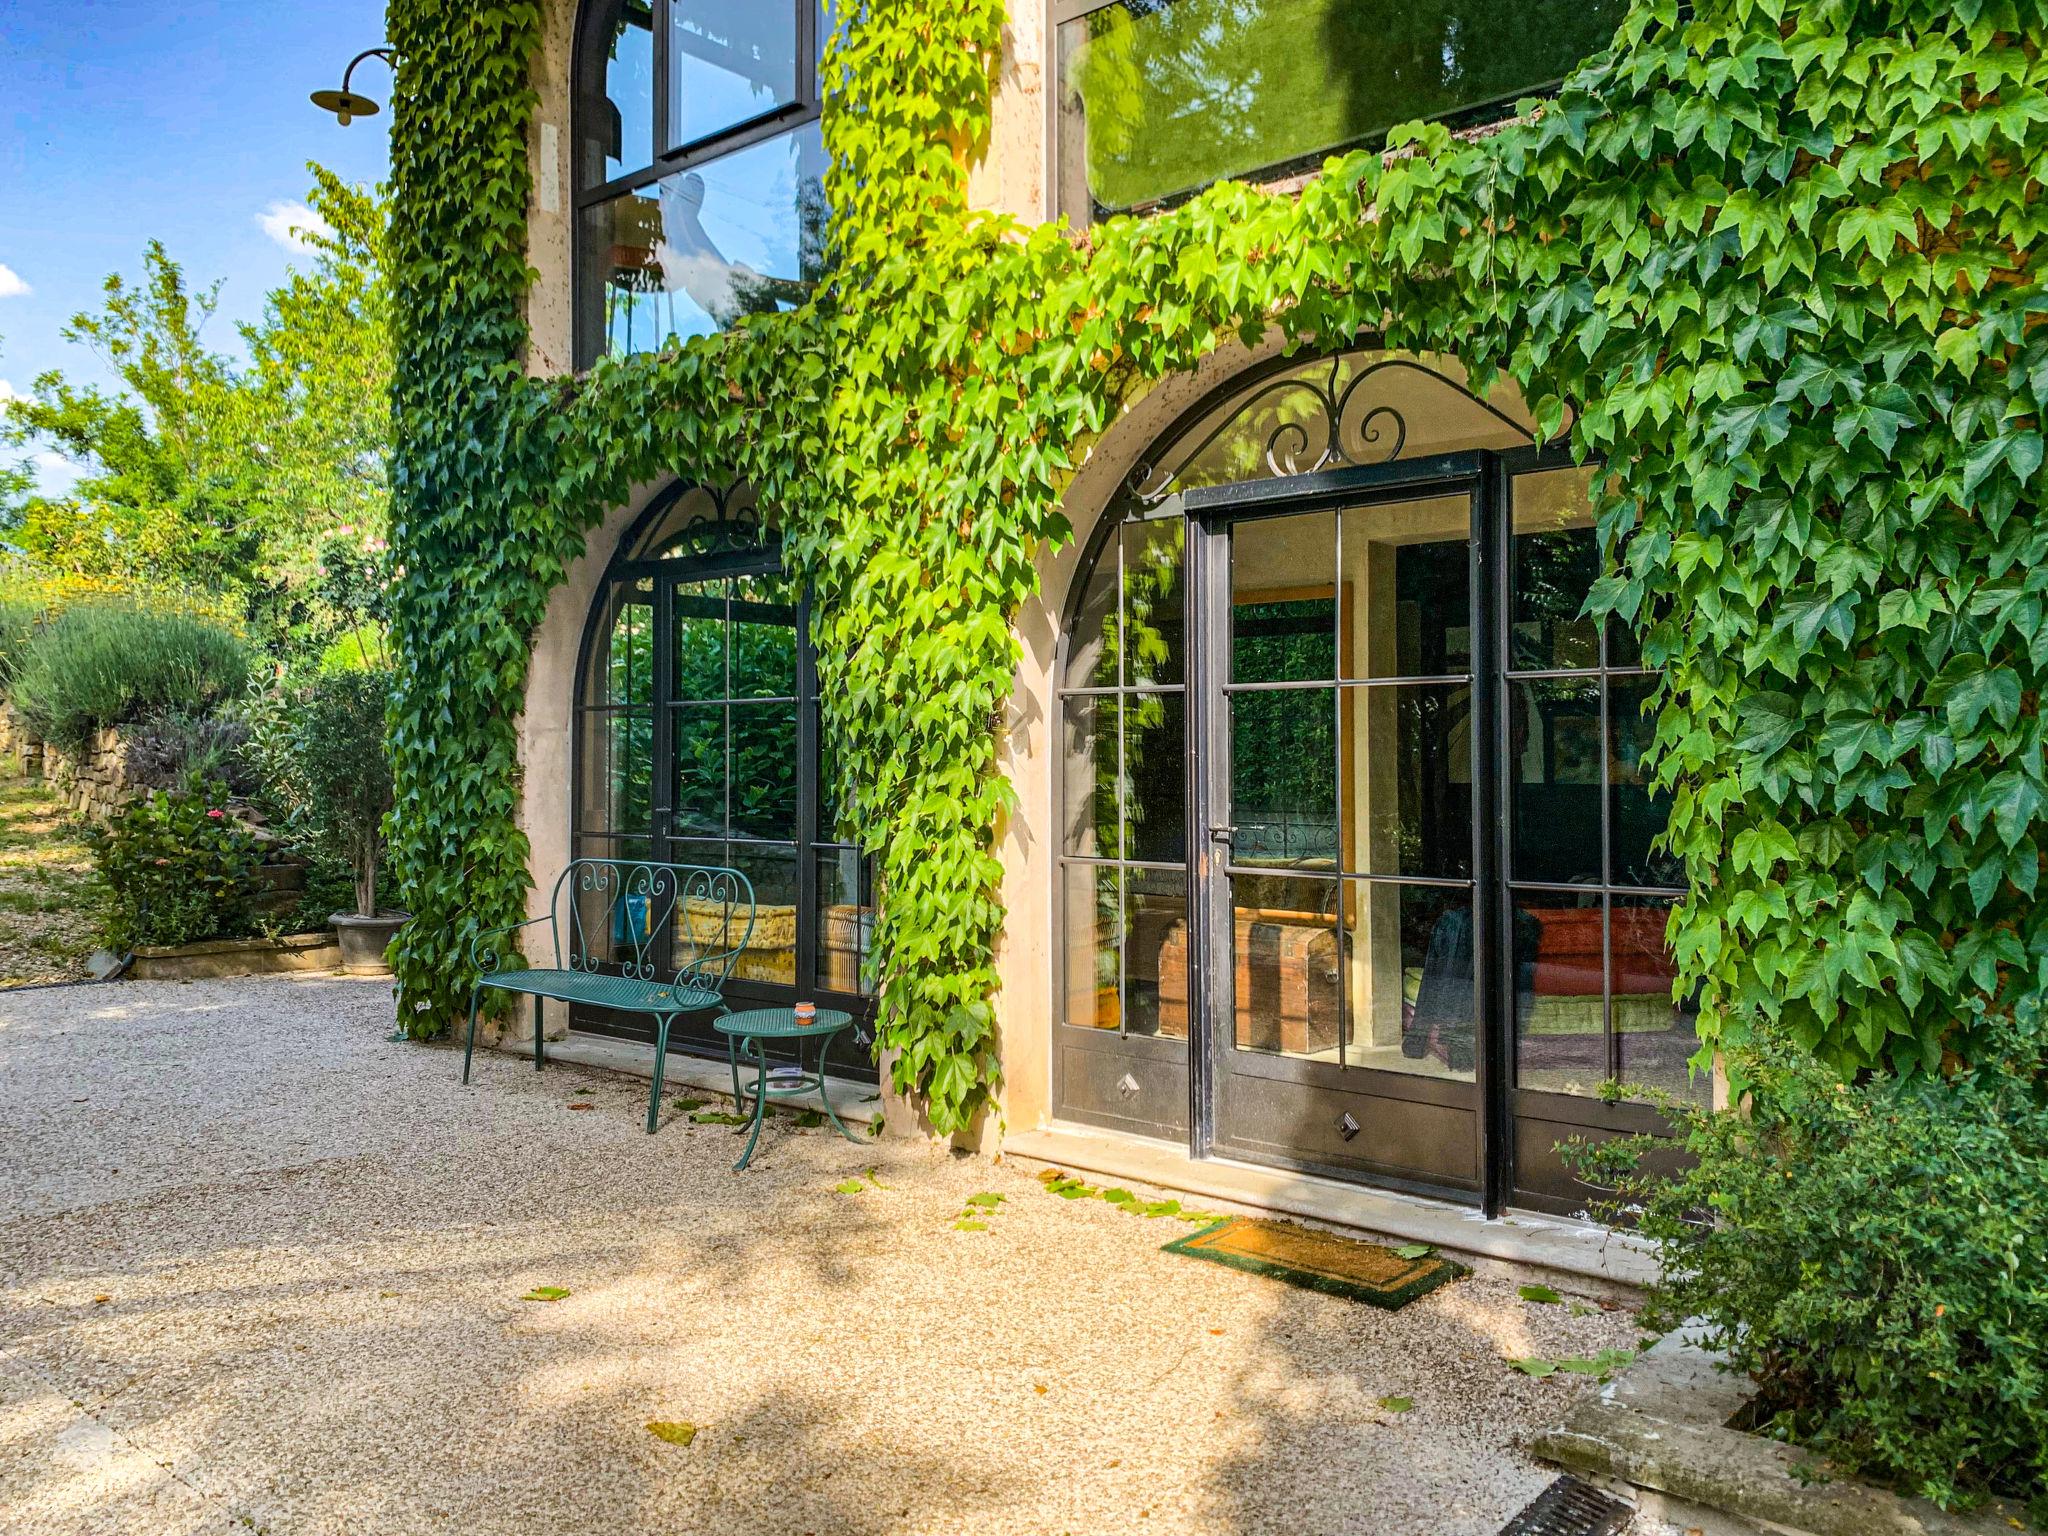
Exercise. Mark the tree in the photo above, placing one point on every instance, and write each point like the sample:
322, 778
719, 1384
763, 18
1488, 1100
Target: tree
226, 478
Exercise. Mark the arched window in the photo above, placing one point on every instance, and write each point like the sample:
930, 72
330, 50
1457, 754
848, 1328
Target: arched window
698, 741
698, 166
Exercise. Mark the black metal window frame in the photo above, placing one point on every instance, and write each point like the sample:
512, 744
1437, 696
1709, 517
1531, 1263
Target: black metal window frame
587, 89
1058, 12
814, 837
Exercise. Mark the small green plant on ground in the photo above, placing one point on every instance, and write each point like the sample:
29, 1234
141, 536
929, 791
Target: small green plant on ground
1874, 1255
175, 867
106, 661
48, 918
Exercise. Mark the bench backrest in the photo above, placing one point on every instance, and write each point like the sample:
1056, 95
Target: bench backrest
614, 912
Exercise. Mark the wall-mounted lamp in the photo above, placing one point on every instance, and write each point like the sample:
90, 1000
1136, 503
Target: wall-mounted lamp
347, 105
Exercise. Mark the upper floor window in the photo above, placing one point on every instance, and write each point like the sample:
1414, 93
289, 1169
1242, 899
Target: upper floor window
698, 166
1158, 98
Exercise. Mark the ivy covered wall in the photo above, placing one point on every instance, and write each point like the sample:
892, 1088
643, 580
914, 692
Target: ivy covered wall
1780, 257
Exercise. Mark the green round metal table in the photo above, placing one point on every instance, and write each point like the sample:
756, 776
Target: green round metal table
746, 1044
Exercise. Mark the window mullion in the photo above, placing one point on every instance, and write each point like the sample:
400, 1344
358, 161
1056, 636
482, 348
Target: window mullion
663, 71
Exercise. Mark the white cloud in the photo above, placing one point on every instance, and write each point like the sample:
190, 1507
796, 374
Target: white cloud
9, 392
55, 474
11, 285
287, 223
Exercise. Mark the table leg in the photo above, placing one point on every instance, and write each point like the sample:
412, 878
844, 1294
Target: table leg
760, 1105
825, 1098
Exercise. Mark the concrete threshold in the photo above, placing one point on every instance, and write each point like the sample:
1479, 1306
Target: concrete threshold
1579, 1256
854, 1102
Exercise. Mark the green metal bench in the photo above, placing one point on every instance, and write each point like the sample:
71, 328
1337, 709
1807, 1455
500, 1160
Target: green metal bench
658, 939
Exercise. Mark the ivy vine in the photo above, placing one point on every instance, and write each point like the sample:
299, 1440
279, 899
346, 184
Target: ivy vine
1772, 261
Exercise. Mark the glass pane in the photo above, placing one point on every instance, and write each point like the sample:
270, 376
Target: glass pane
770, 954
1283, 777
617, 111
1156, 953
1157, 99
695, 252
1154, 623
1412, 1003
1089, 769
700, 779
1560, 1010
1283, 608
764, 770
1287, 972
629, 657
1555, 562
729, 61
1092, 642
1090, 902
699, 662
1554, 754
846, 918
1638, 813
618, 773
832, 796
1657, 1036
1406, 592
1407, 776
764, 625
1155, 776
703, 927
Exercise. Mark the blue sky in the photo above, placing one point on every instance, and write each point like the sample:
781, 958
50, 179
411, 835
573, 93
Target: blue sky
124, 119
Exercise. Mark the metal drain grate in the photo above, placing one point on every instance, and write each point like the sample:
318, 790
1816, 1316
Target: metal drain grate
1569, 1507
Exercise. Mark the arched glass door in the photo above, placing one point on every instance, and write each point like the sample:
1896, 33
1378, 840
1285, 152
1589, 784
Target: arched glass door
698, 743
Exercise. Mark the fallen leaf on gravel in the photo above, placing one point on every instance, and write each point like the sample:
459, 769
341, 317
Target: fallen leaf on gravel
545, 1293
1414, 1251
1038, 1387
717, 1117
1542, 1294
970, 1226
101, 1301
986, 1199
684, 1106
1216, 1330
1397, 1404
674, 1434
583, 1106
809, 1120
848, 1187
1535, 1365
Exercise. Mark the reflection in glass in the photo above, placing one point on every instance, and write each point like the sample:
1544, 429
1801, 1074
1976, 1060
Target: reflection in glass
770, 954
1158, 99
618, 772
1560, 995
1412, 1003
1154, 619
1155, 996
699, 661
1092, 904
729, 61
1555, 561
764, 625
1283, 777
1288, 974
696, 251
846, 918
1407, 777
1089, 798
1093, 644
1657, 1036
1639, 812
1555, 747
617, 110
1283, 608
629, 656
764, 770
1155, 777
1406, 589
699, 746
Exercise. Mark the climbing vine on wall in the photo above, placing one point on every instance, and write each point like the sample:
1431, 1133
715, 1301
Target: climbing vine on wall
1775, 262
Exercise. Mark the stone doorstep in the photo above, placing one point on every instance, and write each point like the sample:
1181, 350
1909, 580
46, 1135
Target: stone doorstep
855, 1103
215, 958
1578, 1257
1658, 1434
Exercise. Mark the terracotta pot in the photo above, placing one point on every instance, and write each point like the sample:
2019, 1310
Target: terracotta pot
364, 939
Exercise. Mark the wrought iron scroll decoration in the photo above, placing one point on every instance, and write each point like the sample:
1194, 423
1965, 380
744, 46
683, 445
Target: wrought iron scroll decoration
735, 523
1325, 438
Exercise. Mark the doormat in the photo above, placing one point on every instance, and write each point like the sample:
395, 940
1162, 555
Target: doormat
1319, 1261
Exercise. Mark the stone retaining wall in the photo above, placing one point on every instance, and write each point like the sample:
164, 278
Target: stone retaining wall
96, 784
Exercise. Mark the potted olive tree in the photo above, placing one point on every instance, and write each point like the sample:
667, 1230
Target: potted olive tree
344, 778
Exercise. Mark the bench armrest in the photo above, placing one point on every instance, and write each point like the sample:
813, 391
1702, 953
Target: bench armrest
484, 952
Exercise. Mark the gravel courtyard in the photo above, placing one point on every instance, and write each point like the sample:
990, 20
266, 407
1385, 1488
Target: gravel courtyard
262, 1269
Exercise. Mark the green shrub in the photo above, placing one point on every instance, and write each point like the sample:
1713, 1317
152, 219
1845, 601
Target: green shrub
175, 868
364, 648
319, 753
19, 613
1875, 1256
100, 663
